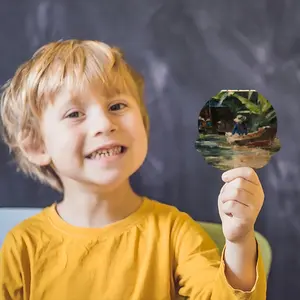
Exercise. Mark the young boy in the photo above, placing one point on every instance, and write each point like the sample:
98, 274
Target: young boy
74, 118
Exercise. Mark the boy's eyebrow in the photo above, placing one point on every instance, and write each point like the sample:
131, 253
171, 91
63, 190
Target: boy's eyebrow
67, 101
80, 100
121, 96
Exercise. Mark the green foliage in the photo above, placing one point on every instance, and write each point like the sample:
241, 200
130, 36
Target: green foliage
262, 108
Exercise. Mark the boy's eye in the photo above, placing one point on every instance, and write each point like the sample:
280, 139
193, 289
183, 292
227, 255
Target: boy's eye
74, 114
117, 106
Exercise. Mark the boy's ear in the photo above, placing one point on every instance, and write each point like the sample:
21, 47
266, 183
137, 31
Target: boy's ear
35, 151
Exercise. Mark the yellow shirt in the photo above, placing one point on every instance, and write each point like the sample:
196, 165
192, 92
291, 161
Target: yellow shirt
149, 255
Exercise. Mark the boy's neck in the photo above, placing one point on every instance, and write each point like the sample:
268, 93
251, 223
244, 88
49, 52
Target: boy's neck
86, 209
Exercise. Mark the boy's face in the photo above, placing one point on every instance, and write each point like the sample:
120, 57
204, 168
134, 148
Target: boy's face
94, 140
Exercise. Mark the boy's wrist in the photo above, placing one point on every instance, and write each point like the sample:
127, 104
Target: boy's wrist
244, 242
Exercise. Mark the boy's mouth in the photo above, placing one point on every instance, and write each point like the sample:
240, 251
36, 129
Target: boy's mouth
107, 152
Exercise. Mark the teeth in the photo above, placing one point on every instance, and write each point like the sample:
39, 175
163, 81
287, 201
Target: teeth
106, 152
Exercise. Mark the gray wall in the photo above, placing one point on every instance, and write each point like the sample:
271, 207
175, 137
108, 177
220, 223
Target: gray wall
188, 51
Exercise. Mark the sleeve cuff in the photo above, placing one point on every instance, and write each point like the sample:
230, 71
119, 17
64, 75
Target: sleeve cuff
259, 287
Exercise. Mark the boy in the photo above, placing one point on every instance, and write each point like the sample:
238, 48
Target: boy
74, 118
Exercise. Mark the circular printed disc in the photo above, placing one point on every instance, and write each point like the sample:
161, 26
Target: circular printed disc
237, 128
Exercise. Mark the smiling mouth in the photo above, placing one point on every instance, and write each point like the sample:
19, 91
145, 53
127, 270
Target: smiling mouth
114, 151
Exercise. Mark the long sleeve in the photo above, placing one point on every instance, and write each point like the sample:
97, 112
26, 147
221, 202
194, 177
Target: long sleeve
11, 283
200, 271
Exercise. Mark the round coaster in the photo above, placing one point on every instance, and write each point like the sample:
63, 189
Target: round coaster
237, 128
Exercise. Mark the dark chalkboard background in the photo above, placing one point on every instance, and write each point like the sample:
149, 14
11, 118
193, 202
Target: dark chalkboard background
187, 51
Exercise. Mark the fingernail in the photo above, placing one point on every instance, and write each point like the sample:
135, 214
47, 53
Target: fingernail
225, 176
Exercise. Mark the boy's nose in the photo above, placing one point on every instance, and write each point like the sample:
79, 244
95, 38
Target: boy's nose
101, 123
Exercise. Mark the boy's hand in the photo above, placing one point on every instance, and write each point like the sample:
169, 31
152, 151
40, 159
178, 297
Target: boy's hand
240, 201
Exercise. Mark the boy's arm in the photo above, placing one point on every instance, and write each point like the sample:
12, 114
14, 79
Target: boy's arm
200, 272
11, 283
240, 262
241, 274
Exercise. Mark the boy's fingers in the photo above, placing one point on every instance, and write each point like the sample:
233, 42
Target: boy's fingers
243, 172
223, 188
239, 195
235, 209
241, 183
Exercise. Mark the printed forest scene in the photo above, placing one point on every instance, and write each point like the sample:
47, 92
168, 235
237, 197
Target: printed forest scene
237, 128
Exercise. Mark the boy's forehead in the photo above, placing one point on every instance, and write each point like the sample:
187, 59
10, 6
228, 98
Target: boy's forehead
89, 93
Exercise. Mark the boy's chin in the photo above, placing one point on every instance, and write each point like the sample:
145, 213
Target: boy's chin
108, 182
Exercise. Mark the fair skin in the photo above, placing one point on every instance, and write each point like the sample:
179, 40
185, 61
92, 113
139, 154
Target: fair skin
98, 193
240, 202
99, 189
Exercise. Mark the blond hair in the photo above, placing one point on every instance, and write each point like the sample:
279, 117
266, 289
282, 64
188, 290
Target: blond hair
55, 66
